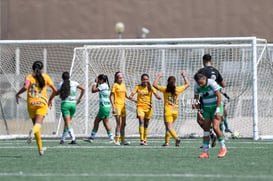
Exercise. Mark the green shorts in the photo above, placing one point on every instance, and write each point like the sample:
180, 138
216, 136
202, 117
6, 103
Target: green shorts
209, 112
104, 112
68, 109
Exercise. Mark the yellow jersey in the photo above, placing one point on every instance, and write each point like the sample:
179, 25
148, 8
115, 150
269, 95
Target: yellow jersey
35, 95
119, 91
171, 101
144, 96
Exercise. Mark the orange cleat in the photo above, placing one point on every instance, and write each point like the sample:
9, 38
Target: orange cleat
222, 153
204, 155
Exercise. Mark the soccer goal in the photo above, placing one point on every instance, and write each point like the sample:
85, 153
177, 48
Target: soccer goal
244, 62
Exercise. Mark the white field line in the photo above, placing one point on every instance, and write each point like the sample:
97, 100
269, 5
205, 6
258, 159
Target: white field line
169, 175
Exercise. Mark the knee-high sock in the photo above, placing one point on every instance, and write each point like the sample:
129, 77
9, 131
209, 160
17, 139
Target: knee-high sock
117, 136
167, 137
37, 134
64, 134
141, 131
71, 133
173, 133
145, 133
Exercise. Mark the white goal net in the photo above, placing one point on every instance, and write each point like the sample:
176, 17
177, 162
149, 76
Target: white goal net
249, 87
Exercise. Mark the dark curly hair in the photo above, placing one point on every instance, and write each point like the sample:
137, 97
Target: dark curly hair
37, 70
65, 89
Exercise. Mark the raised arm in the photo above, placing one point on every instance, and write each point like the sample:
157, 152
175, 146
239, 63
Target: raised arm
187, 83
159, 75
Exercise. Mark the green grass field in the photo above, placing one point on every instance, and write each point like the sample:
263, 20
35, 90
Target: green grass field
246, 160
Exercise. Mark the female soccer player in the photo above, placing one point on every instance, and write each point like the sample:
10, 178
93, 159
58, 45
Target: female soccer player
101, 85
171, 93
212, 111
117, 98
67, 91
144, 105
37, 102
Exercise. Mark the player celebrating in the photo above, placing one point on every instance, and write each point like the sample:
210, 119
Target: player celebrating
171, 93
144, 93
117, 98
67, 91
101, 85
209, 90
37, 102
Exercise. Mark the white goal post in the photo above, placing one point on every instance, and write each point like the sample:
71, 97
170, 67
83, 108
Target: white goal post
244, 62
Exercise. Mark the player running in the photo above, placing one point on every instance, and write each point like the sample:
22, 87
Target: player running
37, 102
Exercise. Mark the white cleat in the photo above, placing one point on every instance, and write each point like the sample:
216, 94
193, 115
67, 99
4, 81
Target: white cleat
41, 152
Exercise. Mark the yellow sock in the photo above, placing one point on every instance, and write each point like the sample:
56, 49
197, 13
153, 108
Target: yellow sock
141, 132
173, 133
36, 128
117, 138
122, 139
145, 133
167, 137
38, 139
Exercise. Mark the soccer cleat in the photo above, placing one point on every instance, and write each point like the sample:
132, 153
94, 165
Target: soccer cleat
222, 153
142, 142
73, 142
177, 142
165, 145
228, 131
89, 140
145, 143
41, 152
126, 143
30, 137
117, 143
204, 155
61, 142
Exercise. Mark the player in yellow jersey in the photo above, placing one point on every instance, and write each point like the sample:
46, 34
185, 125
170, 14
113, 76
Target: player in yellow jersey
37, 101
117, 98
144, 93
171, 93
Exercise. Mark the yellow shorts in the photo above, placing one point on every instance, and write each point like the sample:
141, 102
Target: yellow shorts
146, 113
37, 109
170, 117
120, 111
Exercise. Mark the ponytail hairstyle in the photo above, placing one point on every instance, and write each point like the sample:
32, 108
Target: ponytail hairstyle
104, 78
65, 89
37, 70
117, 75
171, 85
149, 85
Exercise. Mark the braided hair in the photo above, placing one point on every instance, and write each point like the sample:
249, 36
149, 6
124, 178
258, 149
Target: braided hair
37, 70
171, 85
65, 89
